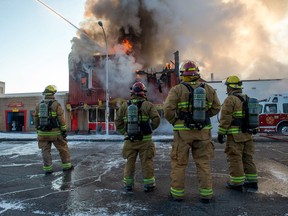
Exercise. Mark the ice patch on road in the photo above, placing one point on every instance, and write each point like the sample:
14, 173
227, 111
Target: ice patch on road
4, 206
21, 149
275, 179
280, 175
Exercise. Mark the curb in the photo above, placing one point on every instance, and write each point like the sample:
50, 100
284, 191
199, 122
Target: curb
214, 139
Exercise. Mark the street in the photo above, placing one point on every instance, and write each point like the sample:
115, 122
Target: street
94, 187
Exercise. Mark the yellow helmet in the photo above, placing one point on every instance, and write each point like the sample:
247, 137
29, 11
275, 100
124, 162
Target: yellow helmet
233, 82
50, 90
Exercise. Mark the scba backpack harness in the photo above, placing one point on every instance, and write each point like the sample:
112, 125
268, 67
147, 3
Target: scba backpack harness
196, 116
250, 109
47, 121
136, 127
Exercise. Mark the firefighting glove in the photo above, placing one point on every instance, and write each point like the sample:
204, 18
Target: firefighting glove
221, 138
255, 131
64, 134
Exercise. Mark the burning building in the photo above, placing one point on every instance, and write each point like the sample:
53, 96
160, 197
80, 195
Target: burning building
87, 90
132, 57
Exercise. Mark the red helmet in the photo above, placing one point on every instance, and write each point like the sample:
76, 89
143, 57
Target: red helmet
138, 88
189, 68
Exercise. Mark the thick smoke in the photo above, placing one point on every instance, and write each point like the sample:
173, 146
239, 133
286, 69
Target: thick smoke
247, 38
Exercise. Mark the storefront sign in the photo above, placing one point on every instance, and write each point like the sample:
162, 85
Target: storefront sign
15, 104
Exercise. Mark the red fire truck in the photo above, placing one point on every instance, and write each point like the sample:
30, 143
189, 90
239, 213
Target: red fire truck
273, 117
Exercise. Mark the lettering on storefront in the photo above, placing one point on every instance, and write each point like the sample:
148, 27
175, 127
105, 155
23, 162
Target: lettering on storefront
15, 104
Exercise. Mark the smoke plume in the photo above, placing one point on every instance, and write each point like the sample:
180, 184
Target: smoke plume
247, 38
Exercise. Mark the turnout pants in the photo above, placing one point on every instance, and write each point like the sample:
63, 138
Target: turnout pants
202, 150
240, 161
146, 152
61, 145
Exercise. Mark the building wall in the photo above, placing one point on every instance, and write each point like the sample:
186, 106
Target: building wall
26, 102
2, 88
19, 107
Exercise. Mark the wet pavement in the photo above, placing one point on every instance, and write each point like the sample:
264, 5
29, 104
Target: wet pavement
94, 187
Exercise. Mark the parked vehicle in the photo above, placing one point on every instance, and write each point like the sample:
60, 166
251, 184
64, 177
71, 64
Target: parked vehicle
273, 117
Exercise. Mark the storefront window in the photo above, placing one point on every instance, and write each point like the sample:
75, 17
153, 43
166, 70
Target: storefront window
31, 118
99, 115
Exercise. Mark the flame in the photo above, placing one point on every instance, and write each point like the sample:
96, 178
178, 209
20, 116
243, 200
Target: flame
138, 77
127, 46
168, 66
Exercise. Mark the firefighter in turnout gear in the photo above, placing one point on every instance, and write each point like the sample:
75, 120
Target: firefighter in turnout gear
239, 145
51, 128
191, 131
136, 119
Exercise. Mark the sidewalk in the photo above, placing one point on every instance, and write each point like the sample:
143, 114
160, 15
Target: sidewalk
12, 136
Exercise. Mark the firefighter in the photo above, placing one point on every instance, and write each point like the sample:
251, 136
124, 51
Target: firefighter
138, 136
51, 128
239, 145
189, 134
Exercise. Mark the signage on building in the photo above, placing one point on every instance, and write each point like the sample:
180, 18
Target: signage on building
15, 104
15, 110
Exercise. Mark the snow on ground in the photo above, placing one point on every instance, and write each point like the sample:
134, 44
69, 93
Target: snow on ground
111, 137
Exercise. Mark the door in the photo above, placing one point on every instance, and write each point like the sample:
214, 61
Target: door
15, 120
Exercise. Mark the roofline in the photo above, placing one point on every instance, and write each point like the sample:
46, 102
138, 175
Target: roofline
30, 94
249, 80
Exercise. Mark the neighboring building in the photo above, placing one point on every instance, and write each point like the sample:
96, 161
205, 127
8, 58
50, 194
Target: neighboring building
2, 88
84, 104
16, 110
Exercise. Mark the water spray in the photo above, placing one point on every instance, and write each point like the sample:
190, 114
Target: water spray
62, 17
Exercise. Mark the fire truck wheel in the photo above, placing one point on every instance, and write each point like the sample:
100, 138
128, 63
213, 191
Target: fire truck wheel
283, 129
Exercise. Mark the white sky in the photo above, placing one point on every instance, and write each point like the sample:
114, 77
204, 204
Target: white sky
35, 43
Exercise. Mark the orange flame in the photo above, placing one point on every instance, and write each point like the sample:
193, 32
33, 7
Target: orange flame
127, 46
168, 66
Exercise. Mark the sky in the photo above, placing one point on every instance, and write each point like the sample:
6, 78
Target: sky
247, 38
35, 43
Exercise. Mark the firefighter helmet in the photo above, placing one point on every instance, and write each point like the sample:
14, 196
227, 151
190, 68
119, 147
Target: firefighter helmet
189, 68
138, 88
50, 90
233, 82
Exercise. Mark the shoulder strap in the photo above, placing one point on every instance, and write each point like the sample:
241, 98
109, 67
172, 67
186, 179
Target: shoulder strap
190, 100
50, 103
240, 97
245, 109
139, 104
189, 87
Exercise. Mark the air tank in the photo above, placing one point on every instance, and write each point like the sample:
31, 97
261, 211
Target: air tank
43, 114
199, 103
132, 120
253, 112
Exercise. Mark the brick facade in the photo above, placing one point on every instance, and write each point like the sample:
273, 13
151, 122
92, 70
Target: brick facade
16, 111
